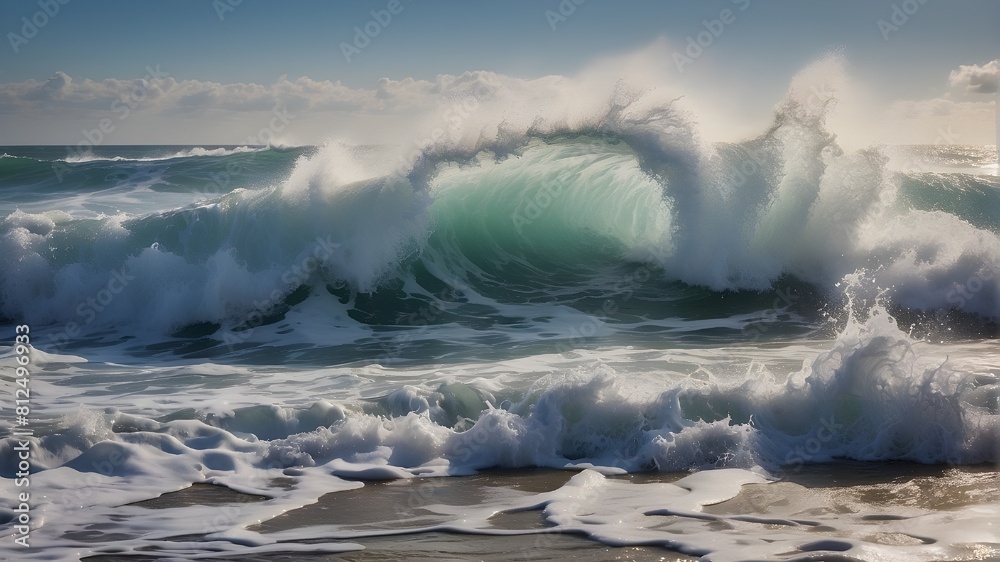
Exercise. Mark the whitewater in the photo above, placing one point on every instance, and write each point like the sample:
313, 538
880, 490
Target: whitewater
597, 326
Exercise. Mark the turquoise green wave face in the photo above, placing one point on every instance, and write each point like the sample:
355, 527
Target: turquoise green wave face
973, 198
612, 225
563, 207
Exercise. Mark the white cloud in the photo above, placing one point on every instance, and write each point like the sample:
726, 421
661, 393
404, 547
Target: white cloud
961, 109
163, 109
169, 96
977, 79
67, 110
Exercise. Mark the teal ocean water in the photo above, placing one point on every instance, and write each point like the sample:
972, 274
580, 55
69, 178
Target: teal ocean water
617, 298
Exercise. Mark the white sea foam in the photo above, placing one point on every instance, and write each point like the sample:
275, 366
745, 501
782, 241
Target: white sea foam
872, 394
186, 153
730, 217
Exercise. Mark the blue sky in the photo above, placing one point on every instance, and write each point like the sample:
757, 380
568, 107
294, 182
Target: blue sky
257, 42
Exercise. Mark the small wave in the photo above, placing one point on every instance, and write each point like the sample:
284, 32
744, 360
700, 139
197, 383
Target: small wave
187, 153
872, 394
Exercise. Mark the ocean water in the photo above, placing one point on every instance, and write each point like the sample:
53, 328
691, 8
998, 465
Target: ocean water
684, 331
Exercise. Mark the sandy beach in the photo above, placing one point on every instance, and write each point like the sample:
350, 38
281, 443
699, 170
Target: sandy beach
876, 492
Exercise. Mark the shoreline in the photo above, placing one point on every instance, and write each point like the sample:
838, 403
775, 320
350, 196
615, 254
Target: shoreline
852, 488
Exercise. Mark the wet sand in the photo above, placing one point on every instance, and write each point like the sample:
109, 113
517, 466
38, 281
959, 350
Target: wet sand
848, 487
